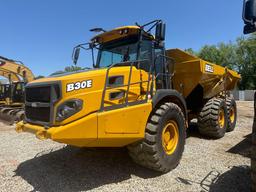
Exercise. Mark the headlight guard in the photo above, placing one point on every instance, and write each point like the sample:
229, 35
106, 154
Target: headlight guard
68, 108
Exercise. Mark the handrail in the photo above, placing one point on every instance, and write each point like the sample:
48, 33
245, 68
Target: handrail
131, 64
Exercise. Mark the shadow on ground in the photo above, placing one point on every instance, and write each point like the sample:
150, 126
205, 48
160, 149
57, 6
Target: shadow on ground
81, 169
243, 148
193, 131
77, 169
236, 179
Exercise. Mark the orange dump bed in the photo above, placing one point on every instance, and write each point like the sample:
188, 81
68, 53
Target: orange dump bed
191, 71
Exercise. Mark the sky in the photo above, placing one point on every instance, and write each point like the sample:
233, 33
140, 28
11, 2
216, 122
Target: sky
42, 34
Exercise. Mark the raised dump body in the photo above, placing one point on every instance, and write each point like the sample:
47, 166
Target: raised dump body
191, 71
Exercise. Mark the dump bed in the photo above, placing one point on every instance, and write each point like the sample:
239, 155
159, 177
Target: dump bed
191, 72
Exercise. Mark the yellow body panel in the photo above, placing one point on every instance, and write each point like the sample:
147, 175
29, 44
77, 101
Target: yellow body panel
100, 129
92, 97
127, 120
92, 126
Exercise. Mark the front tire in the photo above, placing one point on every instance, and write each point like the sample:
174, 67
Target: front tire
164, 141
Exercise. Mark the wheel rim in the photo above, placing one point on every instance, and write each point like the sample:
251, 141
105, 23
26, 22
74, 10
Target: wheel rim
170, 137
232, 115
221, 118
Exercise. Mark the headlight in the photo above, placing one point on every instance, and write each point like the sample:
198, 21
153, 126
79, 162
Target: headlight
68, 108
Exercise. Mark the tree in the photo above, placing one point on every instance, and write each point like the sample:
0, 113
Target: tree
68, 69
246, 59
72, 68
210, 53
227, 55
239, 56
222, 54
39, 77
191, 51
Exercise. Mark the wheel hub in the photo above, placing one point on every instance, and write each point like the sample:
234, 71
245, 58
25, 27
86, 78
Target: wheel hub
170, 137
232, 115
221, 118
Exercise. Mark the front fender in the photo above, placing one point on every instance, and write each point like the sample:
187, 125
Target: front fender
170, 95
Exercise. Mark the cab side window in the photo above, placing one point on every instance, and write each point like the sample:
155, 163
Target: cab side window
145, 54
158, 61
159, 68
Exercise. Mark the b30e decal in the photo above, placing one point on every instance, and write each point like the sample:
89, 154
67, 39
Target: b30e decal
209, 68
79, 85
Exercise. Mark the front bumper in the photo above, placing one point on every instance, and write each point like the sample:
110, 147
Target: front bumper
114, 128
74, 133
40, 132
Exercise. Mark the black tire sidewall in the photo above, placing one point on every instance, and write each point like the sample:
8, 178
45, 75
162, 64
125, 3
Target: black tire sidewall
223, 106
231, 126
173, 159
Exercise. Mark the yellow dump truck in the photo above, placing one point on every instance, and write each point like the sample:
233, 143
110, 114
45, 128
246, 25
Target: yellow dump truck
138, 95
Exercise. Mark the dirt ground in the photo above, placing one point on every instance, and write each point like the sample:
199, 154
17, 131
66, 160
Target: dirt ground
28, 164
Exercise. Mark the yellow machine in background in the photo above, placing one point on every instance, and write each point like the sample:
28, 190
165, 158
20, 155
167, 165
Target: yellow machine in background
17, 68
12, 93
138, 95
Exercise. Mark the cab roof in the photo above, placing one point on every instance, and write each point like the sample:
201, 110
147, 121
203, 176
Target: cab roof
118, 33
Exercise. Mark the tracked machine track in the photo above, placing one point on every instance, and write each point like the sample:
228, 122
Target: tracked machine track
10, 115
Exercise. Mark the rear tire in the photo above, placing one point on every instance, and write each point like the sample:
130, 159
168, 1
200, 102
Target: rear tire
164, 141
232, 114
212, 120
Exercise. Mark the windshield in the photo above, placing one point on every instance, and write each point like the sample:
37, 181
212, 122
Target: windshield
120, 51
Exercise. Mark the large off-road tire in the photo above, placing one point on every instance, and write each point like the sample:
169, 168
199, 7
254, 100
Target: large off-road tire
232, 114
253, 149
213, 118
164, 141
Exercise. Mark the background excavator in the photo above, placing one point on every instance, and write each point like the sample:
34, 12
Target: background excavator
12, 93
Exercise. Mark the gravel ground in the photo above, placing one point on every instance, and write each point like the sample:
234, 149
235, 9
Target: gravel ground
28, 164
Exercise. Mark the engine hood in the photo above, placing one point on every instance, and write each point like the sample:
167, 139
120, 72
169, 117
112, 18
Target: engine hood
88, 86
71, 76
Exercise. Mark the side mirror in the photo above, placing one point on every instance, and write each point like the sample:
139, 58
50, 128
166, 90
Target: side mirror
160, 31
75, 55
249, 16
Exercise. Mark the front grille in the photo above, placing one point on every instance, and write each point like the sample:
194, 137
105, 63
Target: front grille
41, 114
39, 102
38, 94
